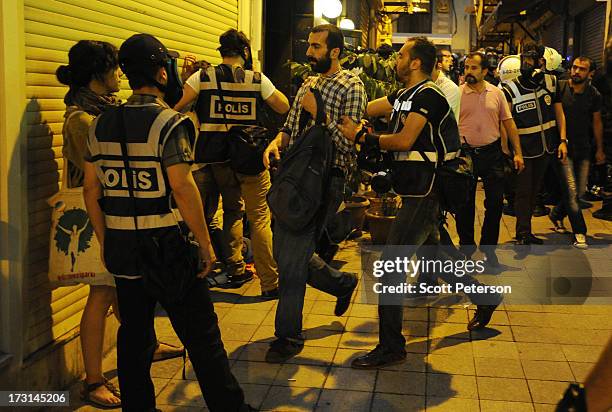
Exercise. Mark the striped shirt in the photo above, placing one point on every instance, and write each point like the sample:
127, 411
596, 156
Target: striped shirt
344, 95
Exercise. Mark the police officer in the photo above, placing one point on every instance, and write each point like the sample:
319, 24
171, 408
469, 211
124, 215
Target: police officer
422, 125
159, 155
243, 95
536, 107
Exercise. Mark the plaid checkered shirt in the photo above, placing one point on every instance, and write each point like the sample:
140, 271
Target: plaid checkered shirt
344, 95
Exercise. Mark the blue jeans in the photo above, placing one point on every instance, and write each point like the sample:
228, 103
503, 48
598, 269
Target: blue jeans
571, 174
298, 265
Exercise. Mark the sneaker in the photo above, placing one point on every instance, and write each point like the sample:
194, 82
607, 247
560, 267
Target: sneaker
482, 317
557, 223
235, 281
378, 358
580, 242
269, 294
281, 350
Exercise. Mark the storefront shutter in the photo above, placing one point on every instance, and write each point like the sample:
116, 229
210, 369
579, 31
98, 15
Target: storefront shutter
51, 28
552, 35
592, 33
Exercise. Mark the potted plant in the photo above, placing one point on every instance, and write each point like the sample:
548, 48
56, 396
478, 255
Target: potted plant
381, 215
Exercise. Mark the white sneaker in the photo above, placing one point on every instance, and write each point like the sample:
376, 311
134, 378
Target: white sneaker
580, 242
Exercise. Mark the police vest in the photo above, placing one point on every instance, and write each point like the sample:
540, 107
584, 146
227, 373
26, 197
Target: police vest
534, 115
148, 127
239, 105
414, 170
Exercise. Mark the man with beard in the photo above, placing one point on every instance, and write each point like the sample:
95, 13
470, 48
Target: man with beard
444, 61
582, 107
536, 107
343, 94
483, 109
423, 132
603, 83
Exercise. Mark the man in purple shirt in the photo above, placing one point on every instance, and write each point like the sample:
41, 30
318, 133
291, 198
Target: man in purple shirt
482, 111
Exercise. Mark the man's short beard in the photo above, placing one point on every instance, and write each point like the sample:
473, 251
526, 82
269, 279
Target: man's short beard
578, 79
472, 78
322, 65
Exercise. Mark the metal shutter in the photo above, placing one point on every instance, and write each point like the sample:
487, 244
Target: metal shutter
51, 28
592, 33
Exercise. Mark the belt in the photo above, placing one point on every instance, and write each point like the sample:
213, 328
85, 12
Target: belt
486, 148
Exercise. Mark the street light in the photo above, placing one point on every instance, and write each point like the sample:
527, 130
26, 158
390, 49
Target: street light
347, 24
331, 8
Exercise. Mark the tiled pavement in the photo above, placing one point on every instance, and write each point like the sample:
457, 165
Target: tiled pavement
521, 363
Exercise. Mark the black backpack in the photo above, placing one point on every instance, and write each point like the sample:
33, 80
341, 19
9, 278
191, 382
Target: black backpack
298, 189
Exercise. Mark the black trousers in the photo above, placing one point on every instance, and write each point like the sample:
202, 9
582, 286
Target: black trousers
528, 184
488, 165
195, 323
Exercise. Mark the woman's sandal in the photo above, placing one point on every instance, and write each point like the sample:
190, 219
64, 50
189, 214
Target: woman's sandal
88, 388
170, 352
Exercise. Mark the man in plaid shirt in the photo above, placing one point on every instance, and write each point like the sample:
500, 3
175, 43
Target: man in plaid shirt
343, 95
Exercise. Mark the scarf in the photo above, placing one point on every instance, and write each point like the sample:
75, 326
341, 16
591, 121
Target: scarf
88, 101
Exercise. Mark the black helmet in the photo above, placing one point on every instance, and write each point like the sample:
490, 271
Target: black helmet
143, 51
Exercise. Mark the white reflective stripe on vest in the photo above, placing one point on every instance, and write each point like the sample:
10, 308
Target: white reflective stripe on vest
144, 222
415, 156
155, 131
538, 129
529, 96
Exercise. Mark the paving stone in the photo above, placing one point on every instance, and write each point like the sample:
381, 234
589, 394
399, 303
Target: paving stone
453, 404
580, 353
314, 355
493, 332
167, 368
255, 394
546, 391
392, 402
347, 378
322, 308
462, 365
581, 370
255, 372
547, 370
503, 389
285, 398
358, 341
542, 407
362, 325
333, 400
181, 393
415, 362
360, 310
407, 383
414, 328
448, 330
322, 337
325, 322
447, 315
450, 346
503, 406
419, 314
499, 368
245, 316
234, 331
495, 349
451, 386
540, 351
254, 352
305, 376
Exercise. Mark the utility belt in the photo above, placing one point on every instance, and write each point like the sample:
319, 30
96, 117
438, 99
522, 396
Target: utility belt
491, 147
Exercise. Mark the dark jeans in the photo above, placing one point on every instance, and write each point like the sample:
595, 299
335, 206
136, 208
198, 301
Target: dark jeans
298, 265
416, 224
569, 173
195, 323
488, 164
528, 184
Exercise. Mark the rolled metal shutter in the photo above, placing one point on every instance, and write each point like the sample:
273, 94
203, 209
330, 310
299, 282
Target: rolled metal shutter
592, 33
552, 35
51, 28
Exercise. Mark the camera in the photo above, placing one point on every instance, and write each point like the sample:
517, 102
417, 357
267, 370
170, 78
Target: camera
378, 166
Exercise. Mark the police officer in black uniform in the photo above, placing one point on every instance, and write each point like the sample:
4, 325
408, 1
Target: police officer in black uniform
159, 156
535, 102
422, 125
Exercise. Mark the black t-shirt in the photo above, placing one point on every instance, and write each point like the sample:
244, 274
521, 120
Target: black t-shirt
579, 109
427, 102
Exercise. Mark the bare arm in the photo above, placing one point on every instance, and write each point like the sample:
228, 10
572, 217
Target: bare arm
600, 156
189, 95
379, 107
513, 136
561, 126
92, 192
278, 102
280, 141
